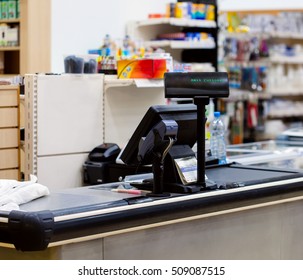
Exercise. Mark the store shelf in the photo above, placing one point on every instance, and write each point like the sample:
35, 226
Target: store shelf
150, 30
174, 44
286, 35
111, 81
256, 63
10, 46
287, 59
17, 48
12, 20
31, 53
178, 22
263, 35
277, 92
266, 61
242, 94
282, 115
260, 6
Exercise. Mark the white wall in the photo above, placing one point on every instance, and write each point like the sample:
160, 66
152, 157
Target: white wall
80, 25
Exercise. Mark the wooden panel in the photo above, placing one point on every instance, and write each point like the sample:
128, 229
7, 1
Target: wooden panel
22, 112
9, 138
9, 117
8, 96
35, 39
9, 132
9, 174
9, 158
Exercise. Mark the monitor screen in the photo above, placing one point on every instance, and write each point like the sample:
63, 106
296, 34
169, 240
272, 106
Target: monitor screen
184, 114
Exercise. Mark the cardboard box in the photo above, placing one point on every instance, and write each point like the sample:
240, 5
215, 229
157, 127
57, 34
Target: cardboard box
141, 68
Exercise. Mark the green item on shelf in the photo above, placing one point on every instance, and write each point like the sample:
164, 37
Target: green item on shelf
12, 9
18, 9
4, 9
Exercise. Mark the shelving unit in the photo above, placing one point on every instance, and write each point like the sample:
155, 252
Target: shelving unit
280, 102
10, 55
32, 54
203, 51
9, 133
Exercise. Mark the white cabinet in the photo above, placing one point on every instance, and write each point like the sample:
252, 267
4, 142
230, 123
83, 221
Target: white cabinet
63, 123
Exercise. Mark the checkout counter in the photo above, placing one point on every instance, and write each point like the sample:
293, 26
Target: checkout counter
259, 219
251, 212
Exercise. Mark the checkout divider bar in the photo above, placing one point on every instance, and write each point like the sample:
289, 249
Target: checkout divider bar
171, 200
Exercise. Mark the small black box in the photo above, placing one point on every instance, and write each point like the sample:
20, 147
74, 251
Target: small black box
94, 172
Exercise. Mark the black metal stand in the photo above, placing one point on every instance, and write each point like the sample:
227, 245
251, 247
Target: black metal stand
201, 102
158, 172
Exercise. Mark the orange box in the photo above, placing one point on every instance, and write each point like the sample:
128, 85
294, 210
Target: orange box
141, 68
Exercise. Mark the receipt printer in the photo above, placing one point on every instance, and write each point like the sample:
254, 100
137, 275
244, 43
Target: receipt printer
95, 169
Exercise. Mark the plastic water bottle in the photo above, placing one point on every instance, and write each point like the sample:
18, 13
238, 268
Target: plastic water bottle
217, 138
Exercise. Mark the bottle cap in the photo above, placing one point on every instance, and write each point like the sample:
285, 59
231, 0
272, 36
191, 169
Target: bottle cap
217, 114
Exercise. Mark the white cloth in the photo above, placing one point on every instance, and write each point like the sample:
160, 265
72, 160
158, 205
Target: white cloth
14, 193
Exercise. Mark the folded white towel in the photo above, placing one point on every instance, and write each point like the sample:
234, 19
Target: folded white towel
14, 193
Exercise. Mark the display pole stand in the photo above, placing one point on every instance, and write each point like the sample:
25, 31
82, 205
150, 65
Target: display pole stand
201, 102
158, 171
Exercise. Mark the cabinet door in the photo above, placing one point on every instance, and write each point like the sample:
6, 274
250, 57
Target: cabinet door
9, 158
9, 138
12, 174
8, 97
9, 117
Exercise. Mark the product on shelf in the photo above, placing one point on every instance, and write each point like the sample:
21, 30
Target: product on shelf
189, 10
9, 9
9, 35
141, 68
263, 54
80, 64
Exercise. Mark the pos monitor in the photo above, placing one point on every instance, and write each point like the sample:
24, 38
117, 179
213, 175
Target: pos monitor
166, 179
185, 116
